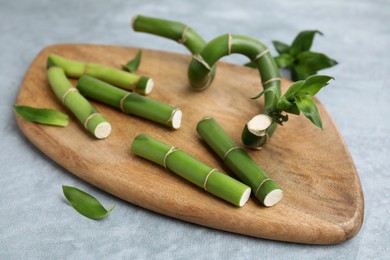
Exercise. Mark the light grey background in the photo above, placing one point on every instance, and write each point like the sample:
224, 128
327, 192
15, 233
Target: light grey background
35, 221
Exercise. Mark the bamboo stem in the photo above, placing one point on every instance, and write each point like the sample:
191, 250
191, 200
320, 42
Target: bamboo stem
130, 103
93, 121
117, 77
196, 172
264, 189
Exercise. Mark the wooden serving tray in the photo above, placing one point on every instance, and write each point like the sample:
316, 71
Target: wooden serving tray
323, 199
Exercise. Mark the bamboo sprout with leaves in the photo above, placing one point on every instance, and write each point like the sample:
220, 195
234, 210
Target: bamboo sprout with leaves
117, 77
130, 103
298, 58
191, 169
93, 121
267, 191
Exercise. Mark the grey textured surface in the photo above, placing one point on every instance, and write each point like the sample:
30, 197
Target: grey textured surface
35, 221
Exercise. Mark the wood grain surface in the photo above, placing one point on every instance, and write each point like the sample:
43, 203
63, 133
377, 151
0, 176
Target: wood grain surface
323, 200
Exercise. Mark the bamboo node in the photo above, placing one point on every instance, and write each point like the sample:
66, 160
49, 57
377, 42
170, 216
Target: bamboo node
207, 177
86, 69
121, 103
230, 40
200, 59
261, 54
170, 151
183, 38
230, 150
261, 184
89, 118
70, 90
172, 114
270, 80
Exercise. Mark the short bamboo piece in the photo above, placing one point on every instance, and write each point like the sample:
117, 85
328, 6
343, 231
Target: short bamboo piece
196, 172
264, 189
93, 121
123, 79
130, 103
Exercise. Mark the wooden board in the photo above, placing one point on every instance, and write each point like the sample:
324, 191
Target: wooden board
323, 199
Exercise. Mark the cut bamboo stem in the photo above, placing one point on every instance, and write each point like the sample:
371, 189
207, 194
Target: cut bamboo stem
126, 80
93, 121
196, 172
264, 189
130, 103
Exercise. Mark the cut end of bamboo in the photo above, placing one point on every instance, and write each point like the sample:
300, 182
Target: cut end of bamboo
149, 86
176, 119
245, 197
273, 197
102, 130
132, 22
259, 124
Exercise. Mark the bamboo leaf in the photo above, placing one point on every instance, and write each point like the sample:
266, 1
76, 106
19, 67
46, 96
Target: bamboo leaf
309, 109
283, 60
42, 115
303, 42
289, 95
311, 62
133, 64
85, 204
313, 84
251, 65
287, 106
258, 95
281, 47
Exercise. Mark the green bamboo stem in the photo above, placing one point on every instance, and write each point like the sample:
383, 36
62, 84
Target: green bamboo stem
258, 53
172, 30
264, 189
130, 103
80, 107
196, 172
117, 77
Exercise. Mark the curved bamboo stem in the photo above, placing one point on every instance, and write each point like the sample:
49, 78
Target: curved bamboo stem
93, 121
117, 77
172, 30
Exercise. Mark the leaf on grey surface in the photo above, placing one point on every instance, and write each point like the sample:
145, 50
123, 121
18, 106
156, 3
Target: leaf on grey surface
85, 204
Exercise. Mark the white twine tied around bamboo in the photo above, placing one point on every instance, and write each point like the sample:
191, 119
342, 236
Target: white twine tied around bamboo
70, 90
207, 178
121, 103
170, 151
89, 118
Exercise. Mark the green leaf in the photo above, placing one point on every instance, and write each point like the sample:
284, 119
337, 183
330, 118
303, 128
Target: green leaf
309, 109
281, 47
303, 42
258, 95
85, 204
283, 60
289, 95
313, 84
133, 64
42, 115
288, 106
311, 62
251, 65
